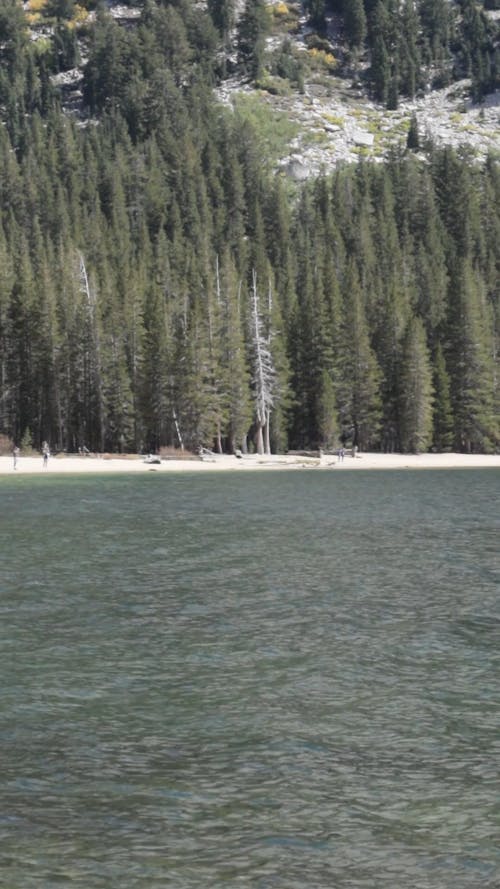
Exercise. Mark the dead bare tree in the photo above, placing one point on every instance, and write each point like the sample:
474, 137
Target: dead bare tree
264, 374
94, 359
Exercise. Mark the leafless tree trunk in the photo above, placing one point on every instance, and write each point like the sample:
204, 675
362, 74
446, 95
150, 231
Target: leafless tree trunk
264, 374
177, 429
95, 360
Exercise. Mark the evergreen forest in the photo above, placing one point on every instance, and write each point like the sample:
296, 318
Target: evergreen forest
161, 286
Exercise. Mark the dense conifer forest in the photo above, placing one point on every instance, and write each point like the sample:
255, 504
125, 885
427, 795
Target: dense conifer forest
160, 285
410, 44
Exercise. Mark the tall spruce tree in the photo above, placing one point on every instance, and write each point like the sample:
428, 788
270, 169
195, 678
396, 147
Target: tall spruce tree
7, 279
471, 358
415, 408
358, 395
252, 29
443, 414
355, 23
234, 366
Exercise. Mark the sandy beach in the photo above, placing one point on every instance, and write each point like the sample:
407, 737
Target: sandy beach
254, 462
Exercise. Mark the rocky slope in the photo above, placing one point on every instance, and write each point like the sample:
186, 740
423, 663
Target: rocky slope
333, 119
336, 121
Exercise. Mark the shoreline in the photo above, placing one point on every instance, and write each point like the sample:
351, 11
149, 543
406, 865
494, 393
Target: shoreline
252, 462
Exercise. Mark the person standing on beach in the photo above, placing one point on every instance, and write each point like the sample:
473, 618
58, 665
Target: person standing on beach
15, 455
46, 453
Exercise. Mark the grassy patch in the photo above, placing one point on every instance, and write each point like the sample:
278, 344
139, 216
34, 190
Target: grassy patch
276, 86
324, 80
373, 127
399, 129
274, 128
334, 119
362, 151
315, 137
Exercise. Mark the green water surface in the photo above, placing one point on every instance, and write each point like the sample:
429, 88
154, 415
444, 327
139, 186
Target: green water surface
286, 680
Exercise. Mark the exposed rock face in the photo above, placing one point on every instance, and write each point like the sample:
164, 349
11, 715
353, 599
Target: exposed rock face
333, 131
296, 168
338, 123
124, 13
361, 138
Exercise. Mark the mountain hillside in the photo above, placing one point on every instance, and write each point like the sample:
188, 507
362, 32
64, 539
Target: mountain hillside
336, 100
318, 67
167, 279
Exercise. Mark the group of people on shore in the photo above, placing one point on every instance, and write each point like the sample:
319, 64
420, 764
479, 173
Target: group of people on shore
16, 453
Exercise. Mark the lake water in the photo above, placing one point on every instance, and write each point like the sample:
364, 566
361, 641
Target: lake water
275, 680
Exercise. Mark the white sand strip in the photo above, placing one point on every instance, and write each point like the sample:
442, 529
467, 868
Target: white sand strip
76, 465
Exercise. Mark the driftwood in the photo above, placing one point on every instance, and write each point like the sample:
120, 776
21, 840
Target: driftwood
316, 454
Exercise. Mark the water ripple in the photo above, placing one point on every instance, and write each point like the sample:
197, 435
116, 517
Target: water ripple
279, 682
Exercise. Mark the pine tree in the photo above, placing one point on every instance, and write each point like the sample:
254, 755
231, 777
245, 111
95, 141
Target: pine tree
252, 29
409, 53
21, 323
429, 240
278, 426
46, 347
59, 9
455, 189
233, 183
106, 73
223, 17
472, 363
393, 306
355, 23
413, 138
311, 352
380, 70
235, 372
415, 411
443, 415
117, 394
280, 250
358, 396
326, 409
13, 40
157, 348
196, 401
92, 424
316, 10
6, 285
